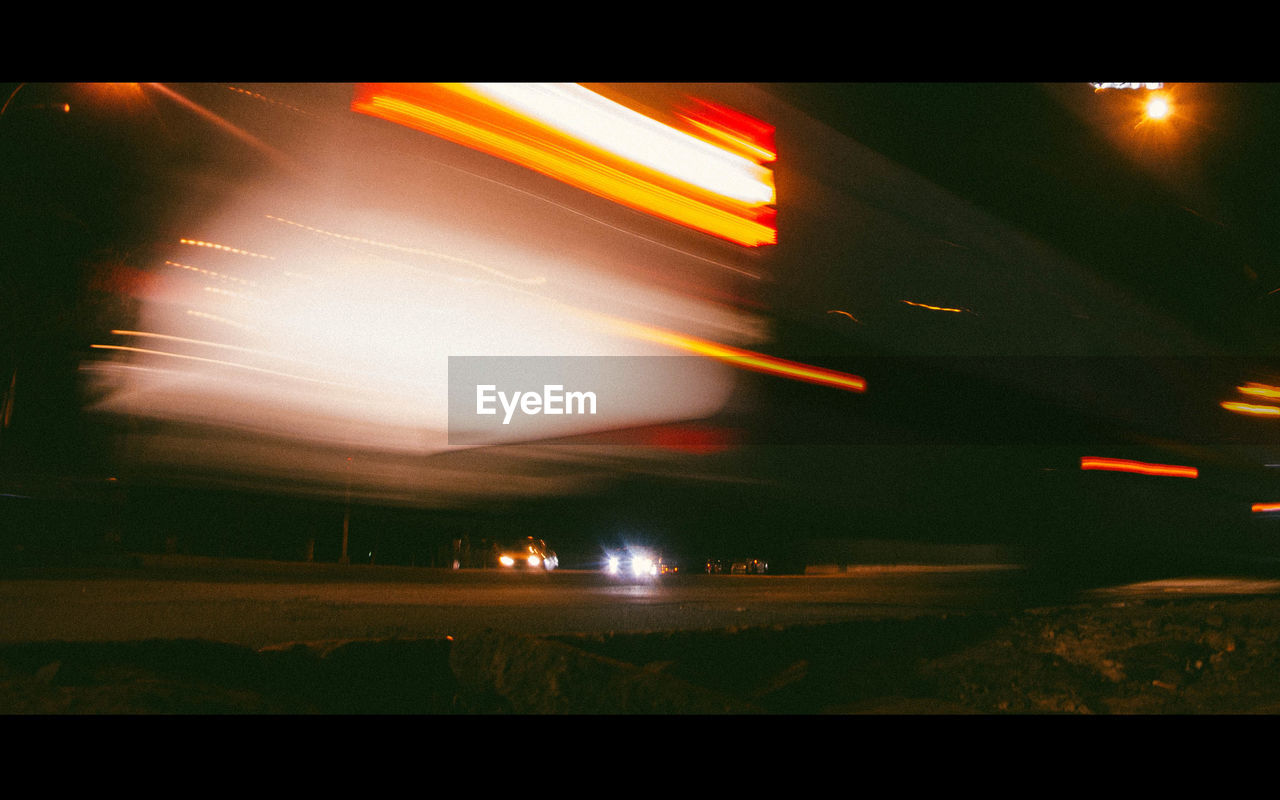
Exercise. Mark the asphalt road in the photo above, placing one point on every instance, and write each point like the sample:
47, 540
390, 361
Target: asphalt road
258, 604
189, 636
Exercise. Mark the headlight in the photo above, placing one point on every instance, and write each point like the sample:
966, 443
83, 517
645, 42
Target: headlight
533, 561
641, 565
611, 566
506, 561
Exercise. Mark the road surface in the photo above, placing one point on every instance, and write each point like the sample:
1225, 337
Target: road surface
258, 604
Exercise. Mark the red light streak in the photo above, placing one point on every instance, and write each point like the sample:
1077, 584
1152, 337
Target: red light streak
1138, 467
750, 136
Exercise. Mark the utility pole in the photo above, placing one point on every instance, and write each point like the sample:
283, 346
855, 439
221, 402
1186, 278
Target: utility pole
346, 518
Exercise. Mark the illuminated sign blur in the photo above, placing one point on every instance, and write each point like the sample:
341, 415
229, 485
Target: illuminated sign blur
714, 181
1138, 467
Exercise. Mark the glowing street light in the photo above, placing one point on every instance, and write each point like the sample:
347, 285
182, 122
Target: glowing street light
1158, 107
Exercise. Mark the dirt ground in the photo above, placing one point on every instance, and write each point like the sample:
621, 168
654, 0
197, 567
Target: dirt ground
1181, 656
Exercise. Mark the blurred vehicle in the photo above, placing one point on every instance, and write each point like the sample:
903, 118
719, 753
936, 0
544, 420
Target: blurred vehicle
636, 562
527, 553
737, 566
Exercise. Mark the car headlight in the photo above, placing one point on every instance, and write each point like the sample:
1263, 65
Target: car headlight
642, 565
534, 561
506, 561
611, 565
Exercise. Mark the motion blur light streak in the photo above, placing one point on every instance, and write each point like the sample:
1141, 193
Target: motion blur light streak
536, 279
936, 308
205, 343
1260, 390
746, 135
223, 362
308, 314
1138, 467
630, 135
588, 141
745, 359
1251, 409
209, 273
1265, 508
224, 248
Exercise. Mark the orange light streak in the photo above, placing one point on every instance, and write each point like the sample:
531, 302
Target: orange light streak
936, 308
1264, 508
1249, 408
1260, 390
471, 119
221, 362
744, 359
1139, 467
224, 248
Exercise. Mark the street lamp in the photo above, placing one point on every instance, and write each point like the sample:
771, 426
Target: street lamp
1158, 106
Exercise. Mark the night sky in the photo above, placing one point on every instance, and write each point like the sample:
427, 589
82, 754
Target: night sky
1180, 214
1181, 220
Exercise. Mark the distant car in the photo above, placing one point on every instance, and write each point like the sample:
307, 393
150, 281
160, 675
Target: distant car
737, 566
636, 563
527, 553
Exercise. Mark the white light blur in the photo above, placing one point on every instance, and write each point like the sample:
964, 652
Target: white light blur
298, 322
642, 565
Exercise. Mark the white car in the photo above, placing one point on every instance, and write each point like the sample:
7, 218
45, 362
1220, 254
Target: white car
635, 563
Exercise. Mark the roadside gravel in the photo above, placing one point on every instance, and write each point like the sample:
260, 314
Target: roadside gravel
1181, 656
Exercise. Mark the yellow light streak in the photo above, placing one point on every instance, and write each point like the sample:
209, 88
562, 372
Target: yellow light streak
464, 115
1260, 390
210, 273
235, 364
936, 308
743, 359
223, 248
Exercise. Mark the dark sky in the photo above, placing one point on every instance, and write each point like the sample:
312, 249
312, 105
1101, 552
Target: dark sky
1183, 220
1180, 213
